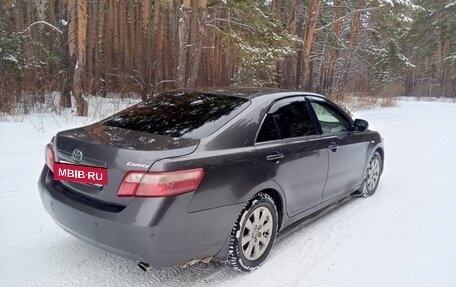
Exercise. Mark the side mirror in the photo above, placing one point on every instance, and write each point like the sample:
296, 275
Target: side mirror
361, 125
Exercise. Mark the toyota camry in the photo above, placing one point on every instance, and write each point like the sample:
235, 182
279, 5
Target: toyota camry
191, 175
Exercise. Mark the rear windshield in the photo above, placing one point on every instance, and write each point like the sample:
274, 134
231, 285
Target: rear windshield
179, 114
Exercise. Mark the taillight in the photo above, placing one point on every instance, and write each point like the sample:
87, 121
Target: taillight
159, 184
49, 156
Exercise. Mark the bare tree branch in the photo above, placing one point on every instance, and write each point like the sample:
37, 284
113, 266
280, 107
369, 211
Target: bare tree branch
164, 81
345, 16
45, 23
230, 21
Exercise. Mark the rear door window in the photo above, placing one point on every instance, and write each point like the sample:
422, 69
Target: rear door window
179, 114
287, 118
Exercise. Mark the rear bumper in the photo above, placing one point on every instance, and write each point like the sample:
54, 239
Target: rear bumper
158, 231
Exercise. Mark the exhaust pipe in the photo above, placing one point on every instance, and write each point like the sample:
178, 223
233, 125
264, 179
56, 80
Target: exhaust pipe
144, 266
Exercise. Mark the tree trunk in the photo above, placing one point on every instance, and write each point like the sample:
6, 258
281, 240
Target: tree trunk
313, 11
330, 59
81, 103
157, 35
184, 22
123, 35
100, 69
145, 17
352, 43
201, 27
65, 60
288, 67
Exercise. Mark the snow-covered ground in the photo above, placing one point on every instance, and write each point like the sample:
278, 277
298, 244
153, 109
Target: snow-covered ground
405, 235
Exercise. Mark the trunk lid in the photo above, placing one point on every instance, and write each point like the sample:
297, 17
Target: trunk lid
119, 150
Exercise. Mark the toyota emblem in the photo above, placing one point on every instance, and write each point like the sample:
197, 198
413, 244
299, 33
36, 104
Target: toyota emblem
77, 155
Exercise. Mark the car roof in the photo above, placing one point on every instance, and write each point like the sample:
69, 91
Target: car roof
249, 93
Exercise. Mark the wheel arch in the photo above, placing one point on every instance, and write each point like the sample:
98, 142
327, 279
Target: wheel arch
273, 190
278, 200
372, 149
380, 150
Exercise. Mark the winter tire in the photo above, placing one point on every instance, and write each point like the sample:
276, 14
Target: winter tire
253, 234
372, 176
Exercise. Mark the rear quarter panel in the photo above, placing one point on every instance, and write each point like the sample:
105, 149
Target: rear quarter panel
231, 176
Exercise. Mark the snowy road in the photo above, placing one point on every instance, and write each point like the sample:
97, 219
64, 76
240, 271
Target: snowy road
405, 235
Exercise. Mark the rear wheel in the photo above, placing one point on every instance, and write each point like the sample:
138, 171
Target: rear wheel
253, 234
372, 176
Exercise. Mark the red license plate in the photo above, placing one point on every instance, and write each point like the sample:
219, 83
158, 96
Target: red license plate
80, 173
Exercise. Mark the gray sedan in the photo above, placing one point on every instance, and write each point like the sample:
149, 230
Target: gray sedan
207, 174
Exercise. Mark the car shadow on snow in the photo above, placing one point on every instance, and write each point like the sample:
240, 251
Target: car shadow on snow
314, 218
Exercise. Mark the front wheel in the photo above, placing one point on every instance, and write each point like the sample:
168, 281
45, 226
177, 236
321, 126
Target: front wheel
253, 234
372, 176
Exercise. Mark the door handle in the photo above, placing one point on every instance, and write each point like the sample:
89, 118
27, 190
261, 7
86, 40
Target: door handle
275, 156
333, 147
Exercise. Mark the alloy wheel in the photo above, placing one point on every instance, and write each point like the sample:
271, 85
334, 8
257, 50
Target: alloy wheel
373, 174
256, 233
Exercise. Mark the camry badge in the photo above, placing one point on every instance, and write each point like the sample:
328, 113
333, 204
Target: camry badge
77, 155
134, 164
